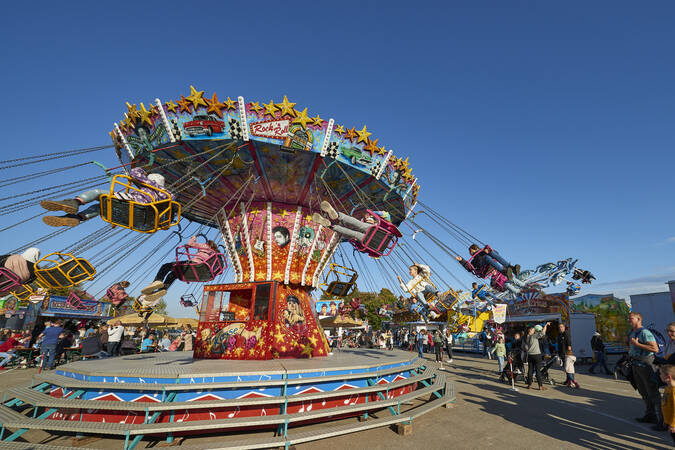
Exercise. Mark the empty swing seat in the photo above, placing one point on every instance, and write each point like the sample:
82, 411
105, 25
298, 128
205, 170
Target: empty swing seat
136, 216
74, 299
63, 270
9, 281
341, 286
188, 270
380, 239
23, 292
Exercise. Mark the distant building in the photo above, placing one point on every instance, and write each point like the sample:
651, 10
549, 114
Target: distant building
657, 308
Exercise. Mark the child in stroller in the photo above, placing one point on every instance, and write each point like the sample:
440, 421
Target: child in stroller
514, 367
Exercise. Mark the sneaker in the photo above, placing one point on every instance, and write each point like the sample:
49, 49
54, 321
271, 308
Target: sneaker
321, 220
69, 220
328, 209
155, 295
450, 360
152, 287
68, 206
647, 419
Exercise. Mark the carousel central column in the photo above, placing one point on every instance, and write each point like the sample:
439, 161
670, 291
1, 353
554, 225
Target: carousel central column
269, 241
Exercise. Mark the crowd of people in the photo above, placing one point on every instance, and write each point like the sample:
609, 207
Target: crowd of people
49, 344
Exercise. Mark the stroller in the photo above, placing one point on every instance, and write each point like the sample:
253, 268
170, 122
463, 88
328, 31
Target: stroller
545, 378
513, 368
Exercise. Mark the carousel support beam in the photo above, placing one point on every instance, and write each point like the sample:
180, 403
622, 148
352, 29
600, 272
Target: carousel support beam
291, 251
326, 138
269, 240
309, 180
259, 168
247, 242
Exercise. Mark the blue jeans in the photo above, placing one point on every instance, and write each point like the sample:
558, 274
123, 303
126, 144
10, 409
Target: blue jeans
420, 349
497, 261
600, 359
428, 289
500, 361
7, 357
48, 351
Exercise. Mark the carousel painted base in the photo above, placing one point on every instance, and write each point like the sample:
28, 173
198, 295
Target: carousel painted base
168, 394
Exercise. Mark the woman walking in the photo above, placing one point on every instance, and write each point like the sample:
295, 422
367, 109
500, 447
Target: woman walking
448, 340
533, 351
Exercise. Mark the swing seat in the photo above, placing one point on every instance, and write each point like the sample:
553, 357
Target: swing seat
188, 301
136, 216
23, 292
140, 308
380, 239
63, 270
109, 293
9, 281
341, 286
75, 300
189, 271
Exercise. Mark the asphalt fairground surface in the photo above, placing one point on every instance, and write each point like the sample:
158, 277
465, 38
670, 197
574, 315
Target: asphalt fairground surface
600, 415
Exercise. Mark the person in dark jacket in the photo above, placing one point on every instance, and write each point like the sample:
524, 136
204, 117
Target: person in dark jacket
564, 341
599, 350
489, 257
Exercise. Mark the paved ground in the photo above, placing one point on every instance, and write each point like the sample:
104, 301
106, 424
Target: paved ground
488, 414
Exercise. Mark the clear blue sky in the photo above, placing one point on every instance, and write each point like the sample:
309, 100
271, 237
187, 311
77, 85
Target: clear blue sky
545, 129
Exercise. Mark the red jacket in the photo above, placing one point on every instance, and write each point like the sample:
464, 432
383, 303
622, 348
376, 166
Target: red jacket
8, 345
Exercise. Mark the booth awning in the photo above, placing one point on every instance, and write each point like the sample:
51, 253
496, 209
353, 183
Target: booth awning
534, 318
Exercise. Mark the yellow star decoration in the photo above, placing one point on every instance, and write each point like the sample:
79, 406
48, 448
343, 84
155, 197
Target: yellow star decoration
339, 129
278, 275
350, 134
313, 340
196, 97
270, 109
283, 213
184, 104
145, 115
230, 104
286, 108
381, 150
238, 351
251, 351
215, 106
255, 211
282, 348
279, 336
132, 111
363, 135
129, 122
317, 121
255, 106
302, 118
307, 350
371, 146
171, 106
308, 218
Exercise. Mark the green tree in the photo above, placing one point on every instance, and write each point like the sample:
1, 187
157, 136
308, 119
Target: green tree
161, 307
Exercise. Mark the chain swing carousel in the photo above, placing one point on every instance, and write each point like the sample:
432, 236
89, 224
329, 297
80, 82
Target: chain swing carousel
284, 190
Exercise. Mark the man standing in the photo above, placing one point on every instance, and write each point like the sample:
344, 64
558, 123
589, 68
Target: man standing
7, 351
50, 337
599, 349
564, 341
115, 338
421, 339
643, 346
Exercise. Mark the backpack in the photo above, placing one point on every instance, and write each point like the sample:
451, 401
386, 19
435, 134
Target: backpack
660, 340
